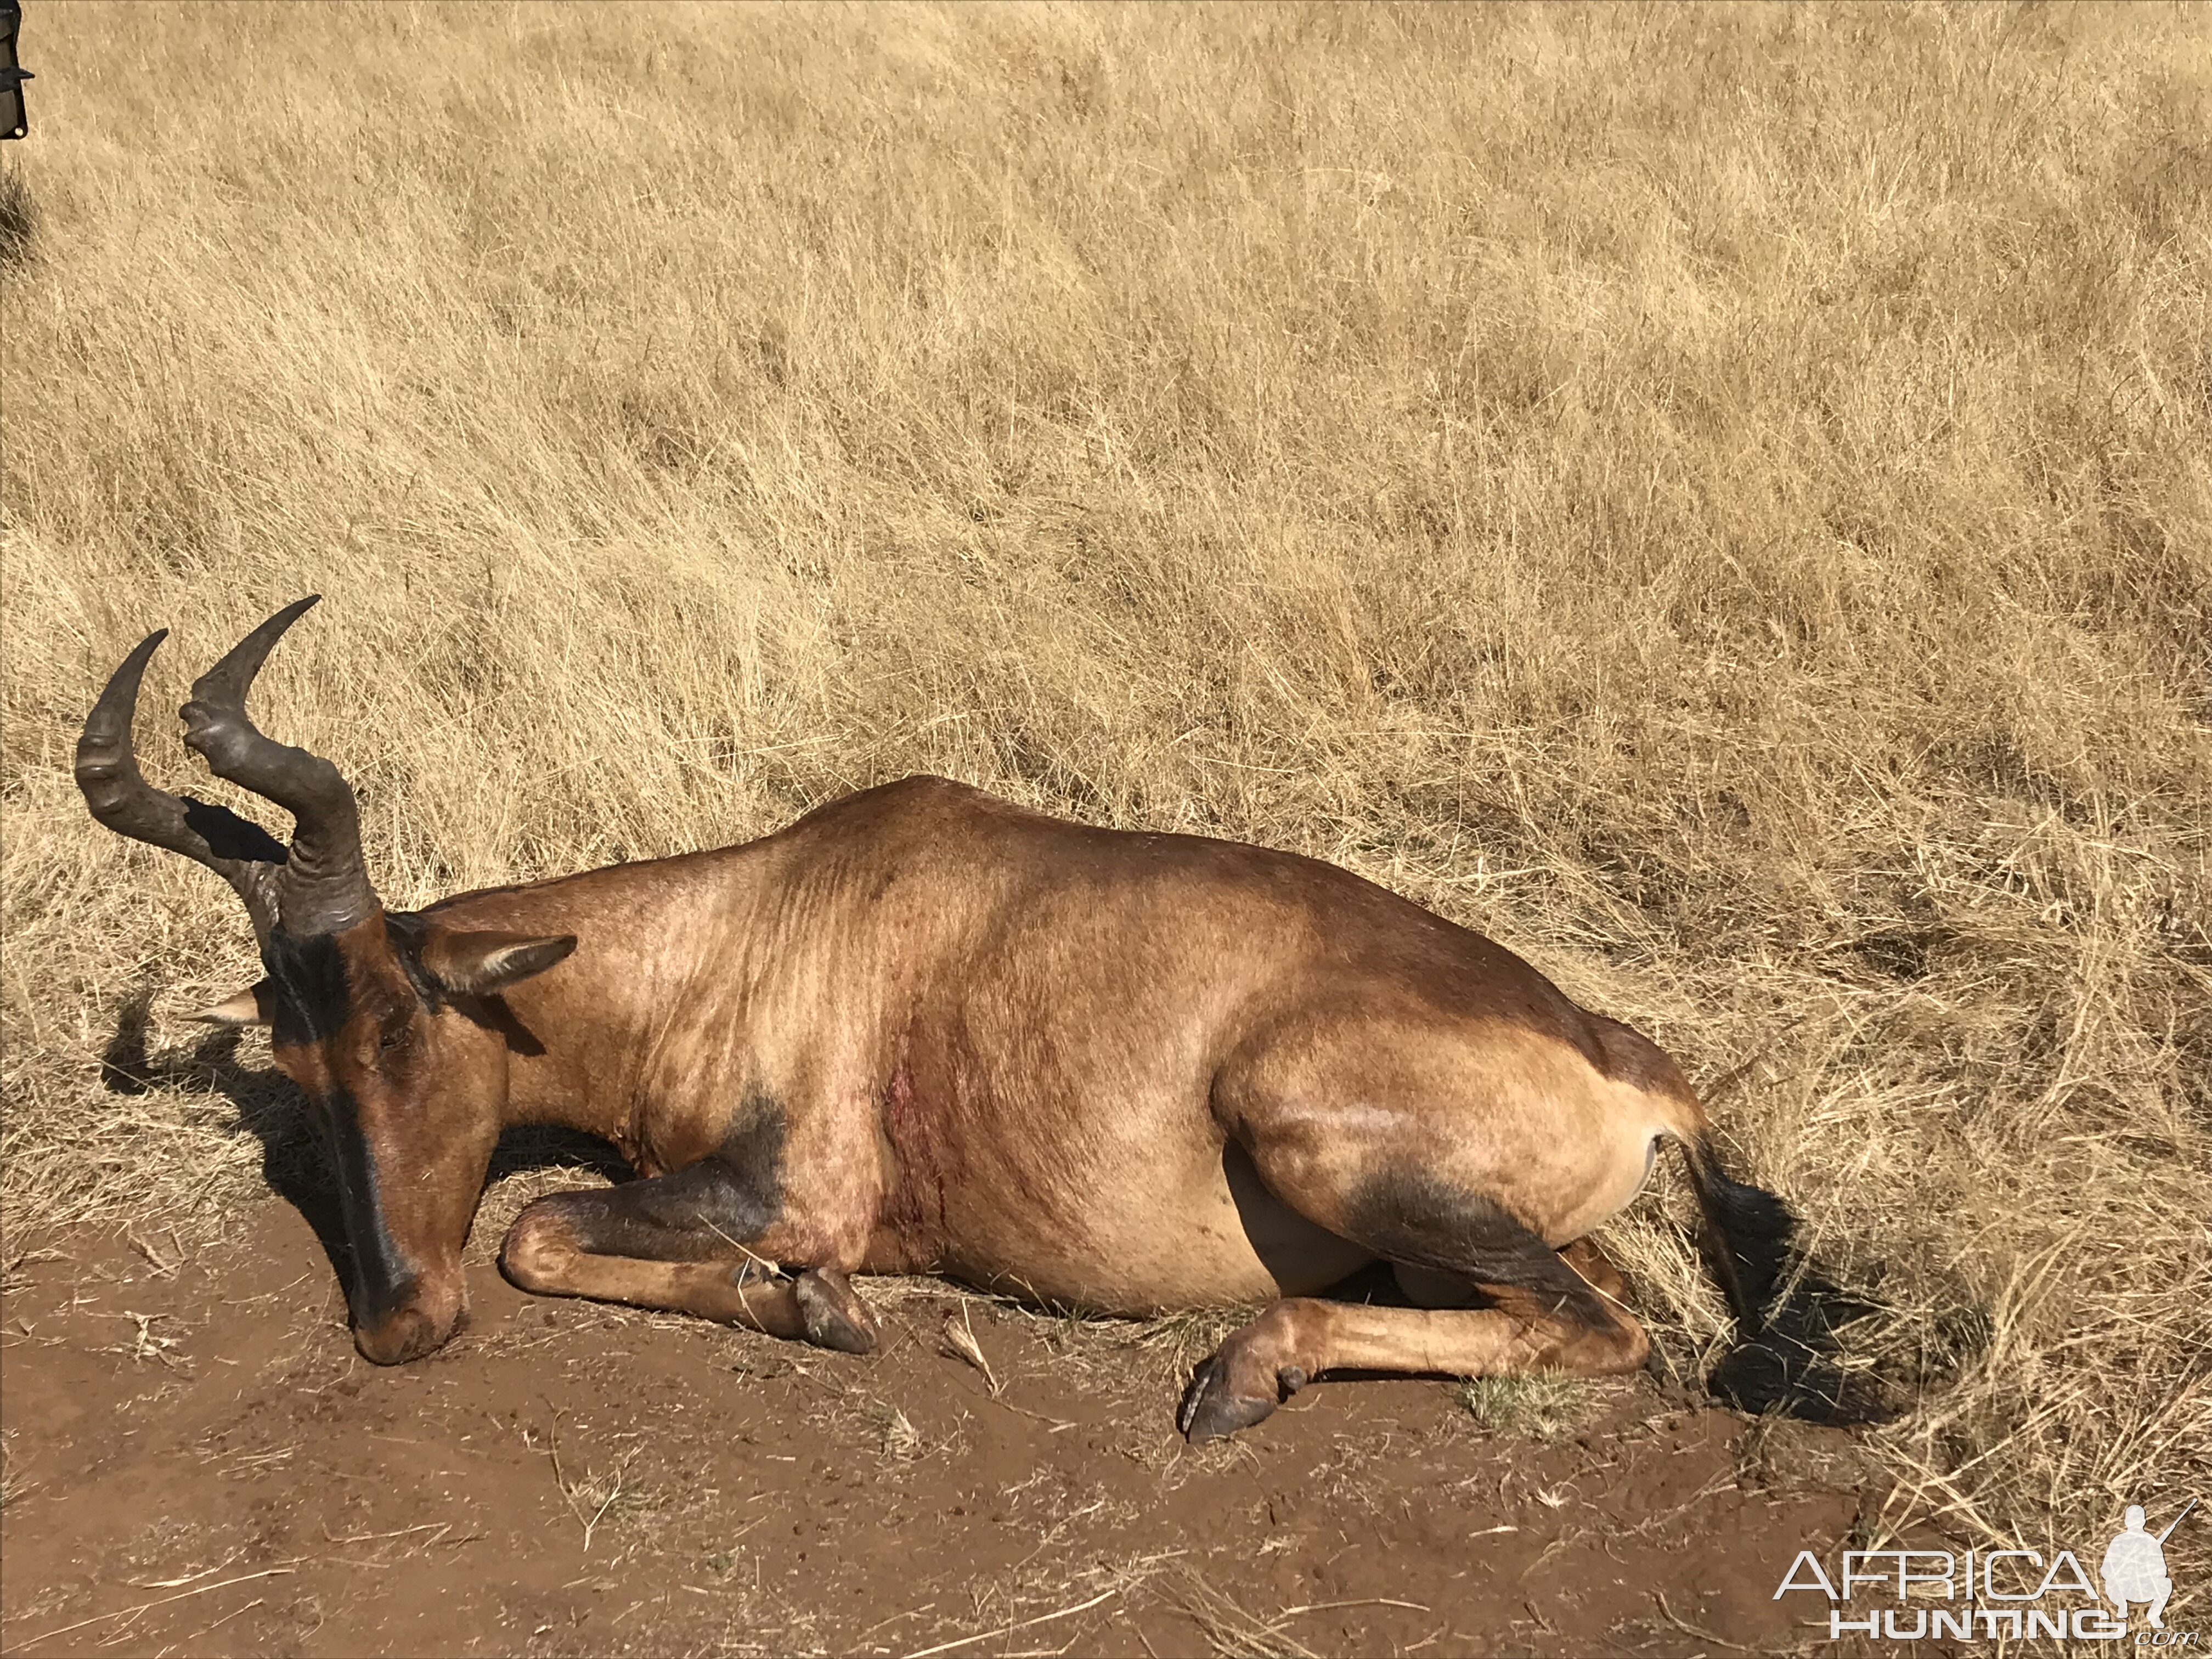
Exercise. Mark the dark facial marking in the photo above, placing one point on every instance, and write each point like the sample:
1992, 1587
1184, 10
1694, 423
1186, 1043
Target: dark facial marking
382, 1282
314, 998
1410, 1216
407, 931
313, 1002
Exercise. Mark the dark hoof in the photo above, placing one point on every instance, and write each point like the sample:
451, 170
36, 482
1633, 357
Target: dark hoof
836, 1318
1211, 1412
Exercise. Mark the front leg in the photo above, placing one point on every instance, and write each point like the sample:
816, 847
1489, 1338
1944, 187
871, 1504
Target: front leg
699, 1240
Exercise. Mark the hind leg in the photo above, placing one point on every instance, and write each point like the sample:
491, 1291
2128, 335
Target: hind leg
1594, 1265
1424, 1287
1544, 1316
1297, 1341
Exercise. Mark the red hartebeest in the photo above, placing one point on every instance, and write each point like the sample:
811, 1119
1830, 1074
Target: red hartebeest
925, 1030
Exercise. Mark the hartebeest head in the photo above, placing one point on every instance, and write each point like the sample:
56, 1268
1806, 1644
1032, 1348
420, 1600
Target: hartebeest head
380, 1019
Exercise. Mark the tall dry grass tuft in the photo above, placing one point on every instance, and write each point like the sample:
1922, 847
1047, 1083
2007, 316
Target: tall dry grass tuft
1717, 499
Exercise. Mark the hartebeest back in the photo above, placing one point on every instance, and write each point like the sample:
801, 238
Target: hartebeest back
925, 1030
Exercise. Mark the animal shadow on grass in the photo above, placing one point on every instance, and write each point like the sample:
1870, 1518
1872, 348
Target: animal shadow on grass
271, 1109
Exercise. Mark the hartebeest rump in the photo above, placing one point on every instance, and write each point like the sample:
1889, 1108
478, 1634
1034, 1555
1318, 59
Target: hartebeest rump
923, 1030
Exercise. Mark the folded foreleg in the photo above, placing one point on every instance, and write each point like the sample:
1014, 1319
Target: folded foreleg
681, 1241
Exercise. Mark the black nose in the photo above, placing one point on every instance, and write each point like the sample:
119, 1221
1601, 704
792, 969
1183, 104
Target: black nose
408, 1334
379, 1293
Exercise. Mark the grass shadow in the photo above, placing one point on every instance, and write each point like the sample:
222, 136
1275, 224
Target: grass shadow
270, 1108
19, 219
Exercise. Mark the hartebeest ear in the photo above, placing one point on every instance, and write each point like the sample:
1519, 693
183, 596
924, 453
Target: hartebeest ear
251, 1007
481, 964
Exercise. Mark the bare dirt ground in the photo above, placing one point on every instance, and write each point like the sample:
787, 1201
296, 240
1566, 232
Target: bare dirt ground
201, 1464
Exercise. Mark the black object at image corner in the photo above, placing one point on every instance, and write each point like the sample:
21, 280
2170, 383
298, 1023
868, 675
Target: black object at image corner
12, 122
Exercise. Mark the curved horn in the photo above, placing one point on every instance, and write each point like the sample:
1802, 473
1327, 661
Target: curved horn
324, 887
241, 853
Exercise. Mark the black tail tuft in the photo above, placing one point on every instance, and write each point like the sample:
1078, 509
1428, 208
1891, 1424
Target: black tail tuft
1787, 1312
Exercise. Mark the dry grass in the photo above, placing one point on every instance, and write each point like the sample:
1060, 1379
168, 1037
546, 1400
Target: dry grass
12, 1483
1231, 1630
1532, 1407
1717, 499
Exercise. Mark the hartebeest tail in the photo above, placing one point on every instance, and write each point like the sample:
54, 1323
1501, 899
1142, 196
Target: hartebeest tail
1786, 1308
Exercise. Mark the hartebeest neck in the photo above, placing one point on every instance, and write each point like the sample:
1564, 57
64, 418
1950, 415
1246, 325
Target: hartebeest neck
666, 950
